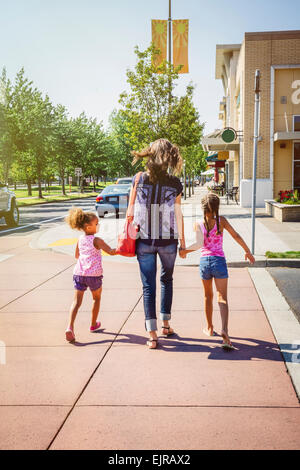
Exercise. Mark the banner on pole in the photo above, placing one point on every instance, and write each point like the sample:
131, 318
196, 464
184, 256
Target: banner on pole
159, 38
180, 44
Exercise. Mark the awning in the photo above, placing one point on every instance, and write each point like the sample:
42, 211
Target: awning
210, 172
217, 156
214, 142
286, 136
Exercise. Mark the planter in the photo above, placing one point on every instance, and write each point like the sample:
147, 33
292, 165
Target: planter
283, 212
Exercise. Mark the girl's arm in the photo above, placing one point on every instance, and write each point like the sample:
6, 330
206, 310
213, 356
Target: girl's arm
101, 245
180, 223
236, 236
77, 251
199, 240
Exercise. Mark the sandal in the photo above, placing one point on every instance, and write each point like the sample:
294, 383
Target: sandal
96, 327
150, 341
70, 337
169, 333
206, 332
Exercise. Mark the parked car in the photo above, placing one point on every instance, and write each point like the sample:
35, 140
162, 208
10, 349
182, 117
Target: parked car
8, 206
113, 199
127, 180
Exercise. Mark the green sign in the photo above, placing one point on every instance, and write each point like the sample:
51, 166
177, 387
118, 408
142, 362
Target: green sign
228, 135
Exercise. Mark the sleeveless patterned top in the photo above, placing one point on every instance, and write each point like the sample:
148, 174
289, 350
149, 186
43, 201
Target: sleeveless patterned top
89, 262
213, 244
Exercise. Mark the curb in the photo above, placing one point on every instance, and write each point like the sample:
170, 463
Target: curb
283, 322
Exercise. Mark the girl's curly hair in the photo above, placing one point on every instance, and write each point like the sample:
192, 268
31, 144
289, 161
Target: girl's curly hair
160, 155
76, 218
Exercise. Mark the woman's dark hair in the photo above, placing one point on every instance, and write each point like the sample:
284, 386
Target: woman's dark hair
210, 203
160, 155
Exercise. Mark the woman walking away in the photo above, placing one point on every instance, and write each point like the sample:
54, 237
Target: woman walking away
209, 238
157, 211
88, 271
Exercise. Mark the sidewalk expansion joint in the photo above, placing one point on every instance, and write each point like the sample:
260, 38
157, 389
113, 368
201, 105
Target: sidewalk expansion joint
94, 372
39, 285
192, 406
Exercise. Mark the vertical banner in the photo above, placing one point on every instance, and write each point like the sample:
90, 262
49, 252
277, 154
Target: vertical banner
159, 38
180, 44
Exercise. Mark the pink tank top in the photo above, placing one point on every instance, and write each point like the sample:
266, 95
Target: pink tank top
89, 262
213, 244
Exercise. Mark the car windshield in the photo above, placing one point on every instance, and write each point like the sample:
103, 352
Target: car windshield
116, 189
125, 181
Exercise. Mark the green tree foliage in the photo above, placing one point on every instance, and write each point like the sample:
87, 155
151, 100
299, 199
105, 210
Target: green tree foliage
151, 110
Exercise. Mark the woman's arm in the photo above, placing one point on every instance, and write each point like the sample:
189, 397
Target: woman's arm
101, 245
180, 224
199, 240
77, 251
236, 236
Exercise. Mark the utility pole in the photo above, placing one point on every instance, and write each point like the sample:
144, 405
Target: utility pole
255, 142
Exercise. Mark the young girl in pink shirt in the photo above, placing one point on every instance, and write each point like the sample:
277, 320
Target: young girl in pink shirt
88, 271
209, 238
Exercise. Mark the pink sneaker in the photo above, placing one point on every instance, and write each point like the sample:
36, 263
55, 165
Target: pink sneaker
96, 327
70, 335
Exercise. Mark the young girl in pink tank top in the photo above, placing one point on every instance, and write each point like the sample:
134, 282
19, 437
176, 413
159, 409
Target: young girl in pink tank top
88, 271
209, 238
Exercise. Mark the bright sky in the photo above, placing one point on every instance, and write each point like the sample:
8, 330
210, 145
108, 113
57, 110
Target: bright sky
78, 50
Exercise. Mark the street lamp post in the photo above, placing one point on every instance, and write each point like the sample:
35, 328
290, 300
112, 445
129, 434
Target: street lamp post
256, 132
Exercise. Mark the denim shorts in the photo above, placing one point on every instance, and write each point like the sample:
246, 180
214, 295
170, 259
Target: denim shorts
83, 282
213, 266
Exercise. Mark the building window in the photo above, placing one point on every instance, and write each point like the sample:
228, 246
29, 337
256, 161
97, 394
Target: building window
296, 123
297, 165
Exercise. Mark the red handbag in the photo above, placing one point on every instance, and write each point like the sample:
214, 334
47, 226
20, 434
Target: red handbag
127, 239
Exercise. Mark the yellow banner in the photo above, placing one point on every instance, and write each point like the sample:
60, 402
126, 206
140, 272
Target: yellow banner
180, 44
159, 38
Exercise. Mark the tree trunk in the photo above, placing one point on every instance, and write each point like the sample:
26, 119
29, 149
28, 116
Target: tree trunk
189, 186
63, 186
40, 188
29, 188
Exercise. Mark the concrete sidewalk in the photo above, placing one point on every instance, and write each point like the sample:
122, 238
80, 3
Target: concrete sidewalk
108, 391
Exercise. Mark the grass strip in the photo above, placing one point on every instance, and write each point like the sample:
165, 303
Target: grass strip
285, 254
34, 201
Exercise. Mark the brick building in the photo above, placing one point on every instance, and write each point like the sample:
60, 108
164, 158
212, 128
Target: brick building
277, 56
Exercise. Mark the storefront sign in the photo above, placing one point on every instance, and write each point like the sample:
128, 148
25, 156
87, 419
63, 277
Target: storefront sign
296, 94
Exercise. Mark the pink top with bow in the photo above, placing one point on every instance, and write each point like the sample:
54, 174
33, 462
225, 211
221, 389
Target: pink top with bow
89, 262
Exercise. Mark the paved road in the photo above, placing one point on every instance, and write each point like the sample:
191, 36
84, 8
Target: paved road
288, 282
40, 214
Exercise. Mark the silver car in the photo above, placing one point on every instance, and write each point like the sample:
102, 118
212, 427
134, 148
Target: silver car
8, 206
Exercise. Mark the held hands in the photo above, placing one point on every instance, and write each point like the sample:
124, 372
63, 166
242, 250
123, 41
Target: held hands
250, 257
182, 253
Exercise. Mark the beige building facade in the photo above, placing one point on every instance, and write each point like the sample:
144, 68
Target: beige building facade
277, 56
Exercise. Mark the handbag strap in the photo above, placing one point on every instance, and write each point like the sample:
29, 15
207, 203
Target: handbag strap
133, 196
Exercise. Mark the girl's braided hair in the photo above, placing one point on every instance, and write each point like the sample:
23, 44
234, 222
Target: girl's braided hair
160, 155
76, 218
210, 203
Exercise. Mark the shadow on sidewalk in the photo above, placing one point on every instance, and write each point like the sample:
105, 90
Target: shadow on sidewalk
259, 350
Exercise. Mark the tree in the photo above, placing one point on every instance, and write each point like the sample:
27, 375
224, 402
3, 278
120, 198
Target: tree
33, 118
6, 124
151, 110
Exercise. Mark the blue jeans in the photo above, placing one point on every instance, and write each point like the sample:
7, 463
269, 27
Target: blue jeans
213, 266
147, 258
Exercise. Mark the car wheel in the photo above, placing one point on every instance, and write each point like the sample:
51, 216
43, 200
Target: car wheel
12, 217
